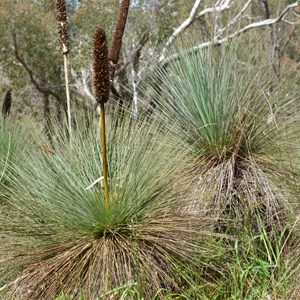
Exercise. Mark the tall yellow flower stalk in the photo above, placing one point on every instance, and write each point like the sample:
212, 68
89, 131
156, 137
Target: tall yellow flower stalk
101, 85
61, 16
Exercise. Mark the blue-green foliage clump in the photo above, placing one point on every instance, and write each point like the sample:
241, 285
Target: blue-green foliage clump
66, 228
240, 126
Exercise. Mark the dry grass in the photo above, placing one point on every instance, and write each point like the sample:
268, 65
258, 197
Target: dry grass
241, 192
144, 252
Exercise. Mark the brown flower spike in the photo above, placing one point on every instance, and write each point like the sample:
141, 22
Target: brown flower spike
61, 15
100, 62
117, 37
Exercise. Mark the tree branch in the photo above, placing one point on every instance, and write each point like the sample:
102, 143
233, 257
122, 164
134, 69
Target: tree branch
35, 82
219, 7
82, 85
217, 42
135, 70
138, 49
237, 18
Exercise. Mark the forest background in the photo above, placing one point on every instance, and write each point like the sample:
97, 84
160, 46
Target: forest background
31, 64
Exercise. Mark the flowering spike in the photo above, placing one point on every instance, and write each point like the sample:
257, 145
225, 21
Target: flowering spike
100, 62
118, 36
61, 15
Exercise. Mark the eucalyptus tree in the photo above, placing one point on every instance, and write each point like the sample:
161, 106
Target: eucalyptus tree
28, 32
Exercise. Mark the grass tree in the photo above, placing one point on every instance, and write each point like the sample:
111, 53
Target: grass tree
101, 85
104, 64
67, 241
241, 130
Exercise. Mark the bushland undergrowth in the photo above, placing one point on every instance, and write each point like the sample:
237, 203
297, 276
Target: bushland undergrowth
199, 199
